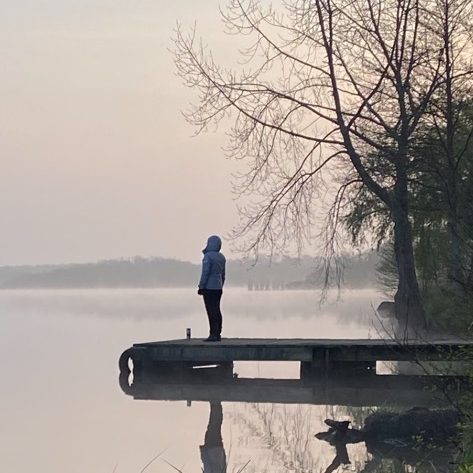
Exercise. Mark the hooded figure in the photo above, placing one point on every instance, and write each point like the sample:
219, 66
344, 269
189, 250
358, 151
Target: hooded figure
211, 284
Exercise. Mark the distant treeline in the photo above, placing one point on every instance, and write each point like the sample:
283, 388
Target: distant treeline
138, 272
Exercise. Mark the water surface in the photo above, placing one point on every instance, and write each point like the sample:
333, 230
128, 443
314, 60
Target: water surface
63, 410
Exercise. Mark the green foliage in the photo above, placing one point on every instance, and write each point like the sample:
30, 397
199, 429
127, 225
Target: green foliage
367, 218
431, 251
466, 405
441, 215
466, 465
448, 310
466, 468
441, 194
387, 270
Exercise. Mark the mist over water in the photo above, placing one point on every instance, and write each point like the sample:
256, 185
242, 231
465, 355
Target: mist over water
63, 409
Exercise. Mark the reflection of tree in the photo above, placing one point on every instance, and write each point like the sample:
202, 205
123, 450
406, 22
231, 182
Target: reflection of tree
285, 435
212, 452
284, 432
388, 455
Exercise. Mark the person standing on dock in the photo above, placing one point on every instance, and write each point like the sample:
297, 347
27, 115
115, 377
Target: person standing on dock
211, 284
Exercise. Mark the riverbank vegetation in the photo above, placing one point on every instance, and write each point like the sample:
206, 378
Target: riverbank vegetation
444, 263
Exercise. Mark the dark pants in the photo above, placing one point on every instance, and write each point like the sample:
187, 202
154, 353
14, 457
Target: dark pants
212, 306
213, 436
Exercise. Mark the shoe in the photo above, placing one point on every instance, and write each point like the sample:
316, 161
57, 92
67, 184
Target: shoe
213, 338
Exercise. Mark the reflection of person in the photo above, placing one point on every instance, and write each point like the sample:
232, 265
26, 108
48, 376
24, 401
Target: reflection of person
212, 452
341, 457
211, 284
337, 436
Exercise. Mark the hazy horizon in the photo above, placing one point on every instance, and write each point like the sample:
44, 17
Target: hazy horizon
97, 160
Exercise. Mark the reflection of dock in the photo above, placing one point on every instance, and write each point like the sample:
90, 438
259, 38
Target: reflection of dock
214, 384
315, 355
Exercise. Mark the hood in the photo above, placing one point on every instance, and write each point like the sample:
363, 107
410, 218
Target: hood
214, 243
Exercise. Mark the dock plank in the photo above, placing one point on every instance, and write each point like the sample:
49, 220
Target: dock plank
300, 349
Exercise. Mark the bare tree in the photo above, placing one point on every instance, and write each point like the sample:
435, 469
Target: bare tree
328, 85
452, 22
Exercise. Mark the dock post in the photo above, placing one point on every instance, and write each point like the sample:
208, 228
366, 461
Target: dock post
326, 362
312, 369
226, 368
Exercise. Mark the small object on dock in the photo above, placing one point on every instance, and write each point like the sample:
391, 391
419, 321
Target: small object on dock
188, 333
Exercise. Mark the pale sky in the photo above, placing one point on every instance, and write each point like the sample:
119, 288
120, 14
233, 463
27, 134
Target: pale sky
96, 160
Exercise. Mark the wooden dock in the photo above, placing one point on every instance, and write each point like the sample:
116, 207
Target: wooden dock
315, 355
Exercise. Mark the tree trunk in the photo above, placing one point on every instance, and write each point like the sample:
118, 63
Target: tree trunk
407, 301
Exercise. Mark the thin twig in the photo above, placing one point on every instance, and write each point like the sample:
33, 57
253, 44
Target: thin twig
152, 460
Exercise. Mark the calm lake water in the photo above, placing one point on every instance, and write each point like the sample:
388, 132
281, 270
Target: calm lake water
63, 410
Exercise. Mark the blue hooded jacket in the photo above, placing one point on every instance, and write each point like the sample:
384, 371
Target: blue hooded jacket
213, 265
